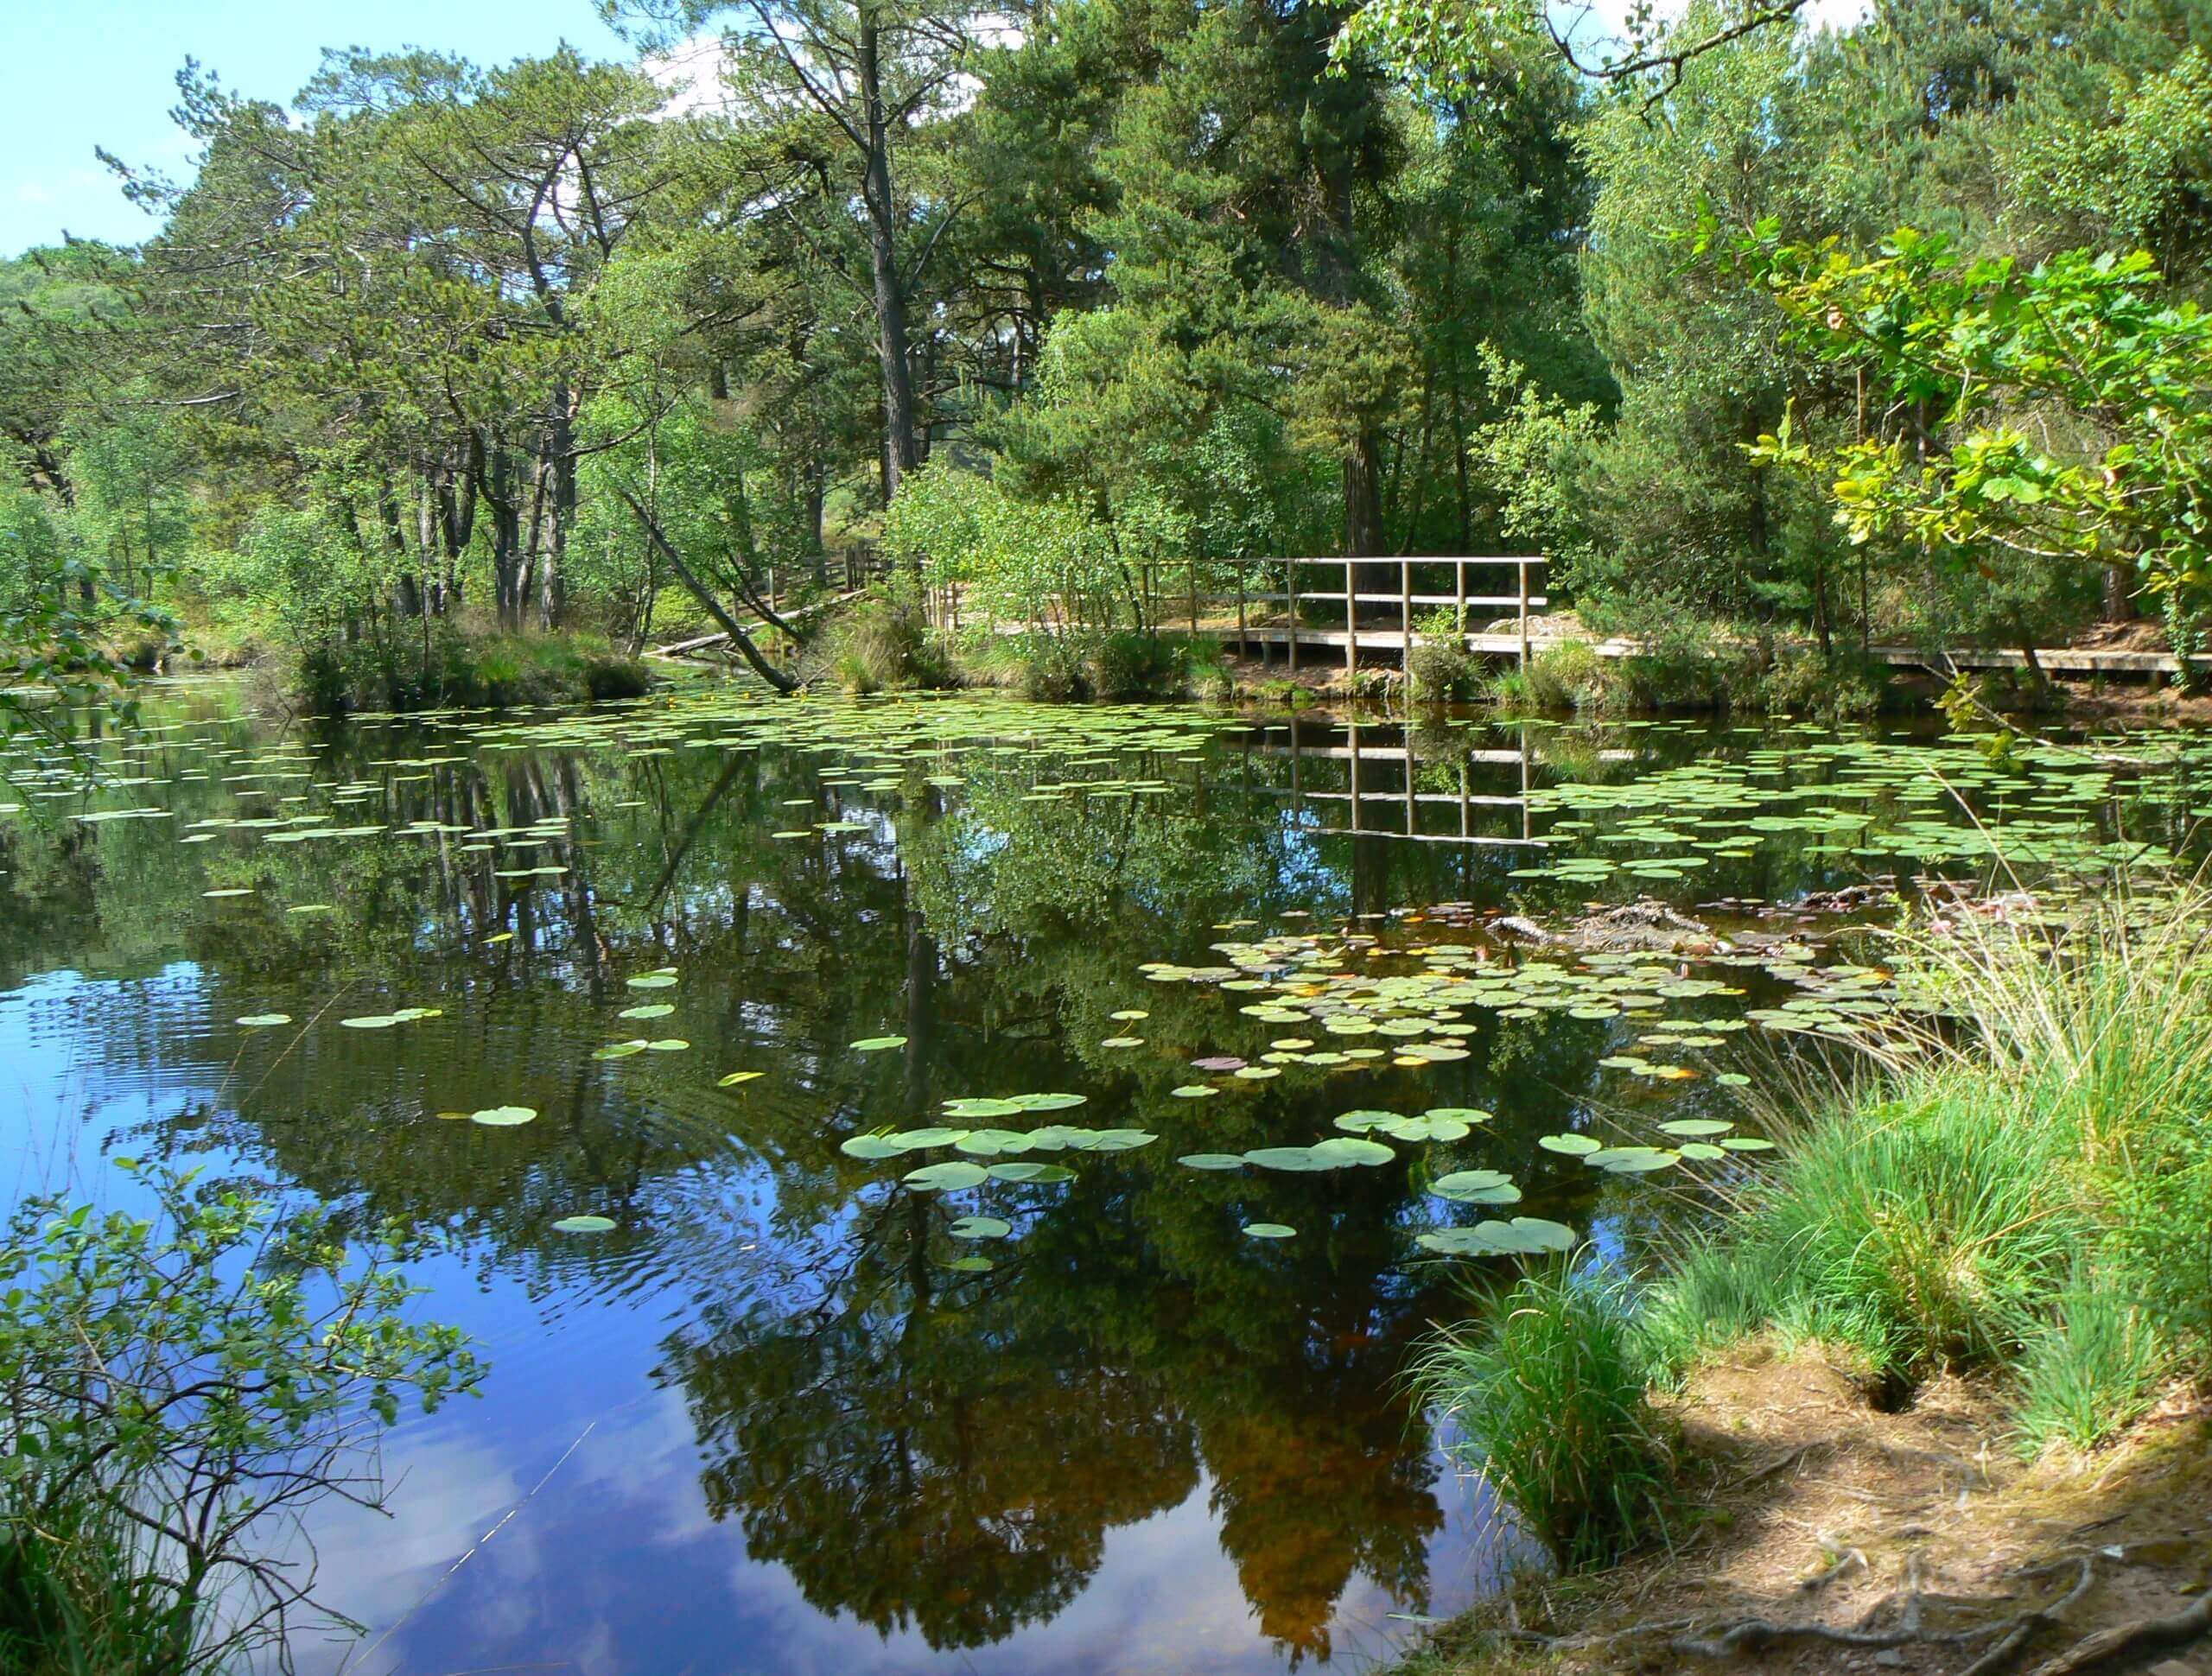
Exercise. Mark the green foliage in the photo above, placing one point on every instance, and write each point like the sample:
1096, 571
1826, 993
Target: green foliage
176, 1383
2112, 472
2029, 1193
1548, 1389
883, 645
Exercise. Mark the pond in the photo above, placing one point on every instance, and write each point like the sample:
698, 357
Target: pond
944, 1185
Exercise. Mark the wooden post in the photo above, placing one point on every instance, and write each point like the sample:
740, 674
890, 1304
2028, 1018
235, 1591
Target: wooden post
1242, 649
1406, 618
1521, 569
1352, 620
1194, 599
1290, 581
1351, 734
772, 588
1459, 587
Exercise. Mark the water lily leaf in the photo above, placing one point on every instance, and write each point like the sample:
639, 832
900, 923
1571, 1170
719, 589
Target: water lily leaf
945, 1178
1028, 1171
738, 1077
371, 1021
1352, 1149
1269, 1231
1701, 1151
1359, 1122
652, 981
1047, 1103
1633, 1161
1469, 1114
503, 1117
584, 1225
1287, 1158
668, 1044
980, 1107
1571, 1145
1217, 1062
1118, 1140
263, 1020
915, 1141
1477, 1187
1122, 1042
1194, 1091
1522, 1236
1212, 1160
981, 1228
1747, 1144
990, 1143
971, 1264
878, 1044
1695, 1125
620, 1049
651, 1010
873, 1146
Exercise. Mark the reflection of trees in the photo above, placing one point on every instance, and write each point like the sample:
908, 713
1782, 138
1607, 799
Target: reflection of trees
921, 1447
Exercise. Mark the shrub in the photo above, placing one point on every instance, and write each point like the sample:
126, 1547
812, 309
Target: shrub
1125, 663
188, 1378
1547, 1387
883, 644
1439, 668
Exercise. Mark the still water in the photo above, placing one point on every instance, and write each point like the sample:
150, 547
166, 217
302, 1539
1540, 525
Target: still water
1069, 1403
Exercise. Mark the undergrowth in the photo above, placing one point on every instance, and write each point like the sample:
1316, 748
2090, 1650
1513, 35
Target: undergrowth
2017, 1186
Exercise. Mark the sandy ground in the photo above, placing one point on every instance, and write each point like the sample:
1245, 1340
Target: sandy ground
1900, 1531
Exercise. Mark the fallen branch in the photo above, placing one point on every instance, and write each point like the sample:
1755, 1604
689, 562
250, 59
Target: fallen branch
738, 638
2029, 1624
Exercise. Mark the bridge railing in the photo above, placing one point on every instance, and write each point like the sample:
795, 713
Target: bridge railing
1399, 631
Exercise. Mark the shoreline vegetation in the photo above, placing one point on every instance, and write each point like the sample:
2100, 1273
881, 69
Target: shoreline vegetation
1987, 1244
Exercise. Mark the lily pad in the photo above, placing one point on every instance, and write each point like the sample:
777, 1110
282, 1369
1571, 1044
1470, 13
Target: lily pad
981, 1228
263, 1020
1269, 1231
584, 1225
503, 1117
945, 1178
878, 1044
1212, 1160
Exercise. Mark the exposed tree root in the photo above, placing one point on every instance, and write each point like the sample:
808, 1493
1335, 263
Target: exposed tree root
2171, 1630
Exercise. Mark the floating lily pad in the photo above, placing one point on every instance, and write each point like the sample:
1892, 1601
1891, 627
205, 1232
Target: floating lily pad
584, 1225
878, 1044
1212, 1160
1571, 1145
981, 1228
263, 1020
503, 1117
945, 1178
1269, 1231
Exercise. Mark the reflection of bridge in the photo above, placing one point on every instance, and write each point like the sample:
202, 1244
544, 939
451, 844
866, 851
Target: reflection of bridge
1395, 808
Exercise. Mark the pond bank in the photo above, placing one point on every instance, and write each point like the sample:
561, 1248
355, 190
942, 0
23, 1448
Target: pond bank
1805, 1505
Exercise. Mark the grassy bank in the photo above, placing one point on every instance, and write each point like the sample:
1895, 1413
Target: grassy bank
2016, 1193
882, 646
463, 668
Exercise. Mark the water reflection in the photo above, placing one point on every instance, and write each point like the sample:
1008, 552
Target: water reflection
766, 1423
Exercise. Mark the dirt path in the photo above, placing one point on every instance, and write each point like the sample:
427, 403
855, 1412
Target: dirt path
1914, 1541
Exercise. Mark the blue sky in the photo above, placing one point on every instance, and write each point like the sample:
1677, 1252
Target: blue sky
102, 73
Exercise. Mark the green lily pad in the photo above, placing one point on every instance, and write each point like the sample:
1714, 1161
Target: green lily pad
1212, 1160
1269, 1231
945, 1178
584, 1225
503, 1117
981, 1228
878, 1044
263, 1020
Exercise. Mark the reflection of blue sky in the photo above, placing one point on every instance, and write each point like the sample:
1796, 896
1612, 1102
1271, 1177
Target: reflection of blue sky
584, 1467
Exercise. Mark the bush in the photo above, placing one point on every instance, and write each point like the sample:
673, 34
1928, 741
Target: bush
1126, 663
457, 668
1439, 667
1549, 1388
175, 1385
1567, 675
883, 644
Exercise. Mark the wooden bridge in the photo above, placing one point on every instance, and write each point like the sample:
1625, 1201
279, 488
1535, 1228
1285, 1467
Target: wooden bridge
1359, 616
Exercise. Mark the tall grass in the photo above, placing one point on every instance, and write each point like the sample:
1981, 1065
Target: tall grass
2018, 1184
2027, 1188
81, 1595
1547, 1387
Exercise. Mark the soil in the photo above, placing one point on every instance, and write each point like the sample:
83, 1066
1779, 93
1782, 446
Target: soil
1810, 1505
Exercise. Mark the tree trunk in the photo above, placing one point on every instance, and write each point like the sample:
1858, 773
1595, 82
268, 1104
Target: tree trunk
900, 456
